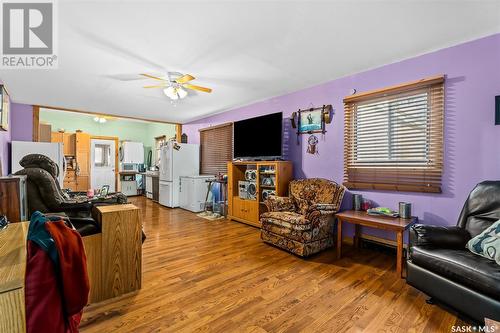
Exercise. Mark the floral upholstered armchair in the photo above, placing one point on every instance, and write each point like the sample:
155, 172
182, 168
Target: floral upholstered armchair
303, 222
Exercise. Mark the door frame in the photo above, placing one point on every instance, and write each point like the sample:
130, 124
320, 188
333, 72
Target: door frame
116, 139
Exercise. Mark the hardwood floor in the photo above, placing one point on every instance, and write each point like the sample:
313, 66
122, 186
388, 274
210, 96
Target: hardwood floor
218, 276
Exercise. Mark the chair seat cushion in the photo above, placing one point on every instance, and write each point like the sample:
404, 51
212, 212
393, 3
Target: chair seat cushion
293, 246
288, 217
461, 266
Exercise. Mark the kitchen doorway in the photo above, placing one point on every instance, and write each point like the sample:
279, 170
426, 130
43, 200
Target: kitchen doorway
104, 161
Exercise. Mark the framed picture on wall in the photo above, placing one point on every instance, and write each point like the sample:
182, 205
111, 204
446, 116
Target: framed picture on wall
4, 109
311, 121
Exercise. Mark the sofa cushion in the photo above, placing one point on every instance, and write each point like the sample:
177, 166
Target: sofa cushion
487, 243
461, 266
312, 233
40, 161
289, 217
293, 246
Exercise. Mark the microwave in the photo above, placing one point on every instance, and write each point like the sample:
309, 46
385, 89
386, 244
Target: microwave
130, 167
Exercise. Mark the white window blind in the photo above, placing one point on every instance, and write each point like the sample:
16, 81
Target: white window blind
394, 138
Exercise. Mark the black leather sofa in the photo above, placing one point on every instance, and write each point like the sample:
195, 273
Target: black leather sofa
45, 195
441, 266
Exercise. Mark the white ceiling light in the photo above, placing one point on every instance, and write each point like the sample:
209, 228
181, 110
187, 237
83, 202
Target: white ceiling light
175, 93
181, 92
100, 120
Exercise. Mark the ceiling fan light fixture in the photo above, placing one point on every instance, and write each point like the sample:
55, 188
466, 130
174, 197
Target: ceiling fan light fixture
181, 92
100, 120
171, 92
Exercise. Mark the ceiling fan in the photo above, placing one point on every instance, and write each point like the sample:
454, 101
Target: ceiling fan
174, 88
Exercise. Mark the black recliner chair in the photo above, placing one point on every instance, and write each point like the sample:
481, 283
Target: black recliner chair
45, 194
441, 266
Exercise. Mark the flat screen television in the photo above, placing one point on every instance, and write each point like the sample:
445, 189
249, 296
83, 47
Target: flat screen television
258, 138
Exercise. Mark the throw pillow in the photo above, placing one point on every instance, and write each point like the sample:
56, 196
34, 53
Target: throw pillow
487, 243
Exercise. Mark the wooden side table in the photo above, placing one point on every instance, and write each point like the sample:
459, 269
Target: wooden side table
361, 218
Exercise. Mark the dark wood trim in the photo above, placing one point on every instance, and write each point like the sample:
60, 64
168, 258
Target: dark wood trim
36, 123
392, 187
394, 89
215, 126
105, 114
178, 132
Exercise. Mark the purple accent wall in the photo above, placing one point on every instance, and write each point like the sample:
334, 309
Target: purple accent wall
22, 122
5, 138
472, 141
20, 129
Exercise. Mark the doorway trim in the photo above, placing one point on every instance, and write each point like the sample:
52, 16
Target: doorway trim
116, 139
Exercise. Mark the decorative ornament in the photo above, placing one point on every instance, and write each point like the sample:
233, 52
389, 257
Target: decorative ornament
312, 142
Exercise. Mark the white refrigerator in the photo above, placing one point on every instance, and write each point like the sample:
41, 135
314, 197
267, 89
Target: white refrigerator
176, 160
54, 151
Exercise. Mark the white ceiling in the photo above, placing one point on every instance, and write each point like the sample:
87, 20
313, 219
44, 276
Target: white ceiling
246, 51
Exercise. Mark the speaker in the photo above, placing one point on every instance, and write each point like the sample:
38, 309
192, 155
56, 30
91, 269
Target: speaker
267, 193
251, 175
247, 190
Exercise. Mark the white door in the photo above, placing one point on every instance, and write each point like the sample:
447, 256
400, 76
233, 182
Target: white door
102, 166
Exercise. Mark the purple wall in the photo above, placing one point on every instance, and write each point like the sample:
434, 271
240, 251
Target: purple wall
20, 128
472, 142
5, 138
22, 122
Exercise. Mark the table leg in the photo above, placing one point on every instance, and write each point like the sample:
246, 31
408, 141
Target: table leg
399, 263
339, 238
357, 234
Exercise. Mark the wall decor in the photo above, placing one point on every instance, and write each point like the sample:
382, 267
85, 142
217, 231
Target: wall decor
497, 110
4, 109
312, 142
311, 120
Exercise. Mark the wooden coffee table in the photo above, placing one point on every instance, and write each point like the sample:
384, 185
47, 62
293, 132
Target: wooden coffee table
361, 218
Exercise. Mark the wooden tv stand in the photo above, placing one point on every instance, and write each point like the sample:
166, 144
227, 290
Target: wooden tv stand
248, 210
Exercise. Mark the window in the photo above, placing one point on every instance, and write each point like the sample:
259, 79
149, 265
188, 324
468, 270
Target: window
394, 137
216, 148
102, 155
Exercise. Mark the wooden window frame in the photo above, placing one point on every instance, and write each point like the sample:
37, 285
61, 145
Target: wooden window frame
397, 177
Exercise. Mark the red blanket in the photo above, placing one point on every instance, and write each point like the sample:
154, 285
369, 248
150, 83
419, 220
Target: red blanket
57, 285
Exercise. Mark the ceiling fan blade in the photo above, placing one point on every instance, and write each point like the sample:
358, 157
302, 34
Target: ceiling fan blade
185, 78
191, 86
153, 77
157, 86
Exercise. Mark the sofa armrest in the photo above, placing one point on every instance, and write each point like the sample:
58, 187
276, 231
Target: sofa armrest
451, 237
280, 204
75, 206
323, 208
